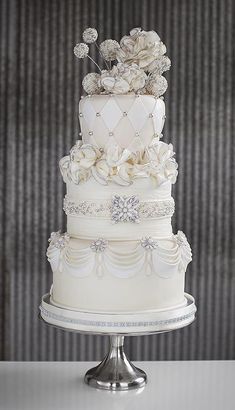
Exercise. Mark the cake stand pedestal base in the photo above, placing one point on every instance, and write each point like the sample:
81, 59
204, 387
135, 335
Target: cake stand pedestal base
116, 372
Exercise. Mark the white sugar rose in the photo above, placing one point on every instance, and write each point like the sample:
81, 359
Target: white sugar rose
85, 155
141, 47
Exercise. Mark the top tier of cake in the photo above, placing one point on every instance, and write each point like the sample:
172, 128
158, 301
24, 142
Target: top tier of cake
130, 121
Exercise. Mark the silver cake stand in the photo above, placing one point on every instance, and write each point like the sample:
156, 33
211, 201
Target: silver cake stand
116, 372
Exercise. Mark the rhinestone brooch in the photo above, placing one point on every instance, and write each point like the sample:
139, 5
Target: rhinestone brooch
125, 209
148, 243
99, 245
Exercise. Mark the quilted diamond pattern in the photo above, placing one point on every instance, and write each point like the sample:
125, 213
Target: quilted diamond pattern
111, 113
129, 120
138, 114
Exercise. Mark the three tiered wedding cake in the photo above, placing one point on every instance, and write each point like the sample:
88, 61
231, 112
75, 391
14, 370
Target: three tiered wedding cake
119, 253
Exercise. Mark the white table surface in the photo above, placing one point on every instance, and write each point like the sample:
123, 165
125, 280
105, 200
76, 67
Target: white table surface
171, 385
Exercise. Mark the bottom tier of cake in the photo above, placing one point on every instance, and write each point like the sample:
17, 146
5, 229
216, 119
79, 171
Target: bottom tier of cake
118, 276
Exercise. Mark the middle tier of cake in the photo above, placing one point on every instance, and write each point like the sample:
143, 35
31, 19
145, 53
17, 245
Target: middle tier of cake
119, 213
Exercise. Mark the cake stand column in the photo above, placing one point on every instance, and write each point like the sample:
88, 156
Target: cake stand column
116, 372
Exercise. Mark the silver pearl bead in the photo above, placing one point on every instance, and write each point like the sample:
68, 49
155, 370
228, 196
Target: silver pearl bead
110, 134
125, 114
90, 132
150, 115
97, 114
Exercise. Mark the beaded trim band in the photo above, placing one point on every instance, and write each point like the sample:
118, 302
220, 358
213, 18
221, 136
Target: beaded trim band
151, 209
142, 323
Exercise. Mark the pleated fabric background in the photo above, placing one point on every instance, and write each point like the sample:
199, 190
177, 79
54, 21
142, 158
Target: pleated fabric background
40, 89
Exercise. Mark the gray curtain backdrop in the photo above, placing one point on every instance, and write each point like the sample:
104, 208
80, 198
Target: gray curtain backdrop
40, 89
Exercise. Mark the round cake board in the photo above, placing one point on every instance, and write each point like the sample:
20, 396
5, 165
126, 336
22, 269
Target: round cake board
131, 324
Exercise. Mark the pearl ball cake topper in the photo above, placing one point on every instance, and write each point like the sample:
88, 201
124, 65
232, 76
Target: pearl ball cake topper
120, 269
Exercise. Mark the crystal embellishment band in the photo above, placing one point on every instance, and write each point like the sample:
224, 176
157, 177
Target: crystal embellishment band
112, 324
147, 209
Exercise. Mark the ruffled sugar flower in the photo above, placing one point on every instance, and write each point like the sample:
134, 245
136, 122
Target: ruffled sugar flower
114, 165
90, 35
162, 164
78, 165
101, 171
109, 49
116, 156
91, 83
120, 162
123, 78
135, 32
156, 85
84, 154
133, 75
160, 65
119, 165
112, 83
140, 47
125, 172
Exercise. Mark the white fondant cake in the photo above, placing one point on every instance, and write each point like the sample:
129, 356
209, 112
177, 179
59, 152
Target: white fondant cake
129, 121
119, 253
